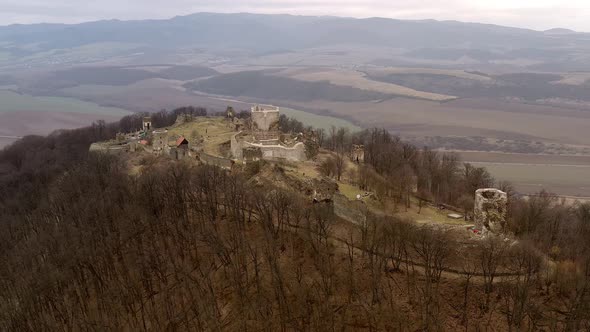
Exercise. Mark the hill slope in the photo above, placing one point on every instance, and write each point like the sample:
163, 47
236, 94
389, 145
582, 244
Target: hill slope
256, 34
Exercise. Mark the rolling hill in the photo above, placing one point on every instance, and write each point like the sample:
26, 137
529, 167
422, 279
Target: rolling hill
257, 34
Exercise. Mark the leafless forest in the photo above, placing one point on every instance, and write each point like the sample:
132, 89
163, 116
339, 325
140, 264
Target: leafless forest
87, 246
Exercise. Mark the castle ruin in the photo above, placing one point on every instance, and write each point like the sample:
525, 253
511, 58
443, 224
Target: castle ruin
263, 140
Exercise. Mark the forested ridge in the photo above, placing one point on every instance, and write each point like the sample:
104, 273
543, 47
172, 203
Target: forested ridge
85, 245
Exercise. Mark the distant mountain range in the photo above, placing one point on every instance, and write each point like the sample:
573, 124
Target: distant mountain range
268, 32
258, 34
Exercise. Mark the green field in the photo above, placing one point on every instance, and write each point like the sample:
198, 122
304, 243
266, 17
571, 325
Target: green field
318, 121
14, 102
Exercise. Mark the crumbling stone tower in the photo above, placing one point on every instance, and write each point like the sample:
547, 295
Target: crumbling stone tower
490, 209
160, 141
358, 153
147, 124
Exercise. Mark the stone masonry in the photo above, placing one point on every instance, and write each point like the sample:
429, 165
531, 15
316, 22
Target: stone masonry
490, 209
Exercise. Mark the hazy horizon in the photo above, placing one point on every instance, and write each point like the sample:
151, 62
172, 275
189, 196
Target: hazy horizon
529, 14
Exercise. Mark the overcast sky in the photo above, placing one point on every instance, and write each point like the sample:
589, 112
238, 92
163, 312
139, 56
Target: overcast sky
535, 14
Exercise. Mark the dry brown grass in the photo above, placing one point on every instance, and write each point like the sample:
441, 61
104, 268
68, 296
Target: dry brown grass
213, 130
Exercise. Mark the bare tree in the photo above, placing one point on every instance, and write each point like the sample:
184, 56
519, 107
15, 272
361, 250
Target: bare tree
433, 250
491, 256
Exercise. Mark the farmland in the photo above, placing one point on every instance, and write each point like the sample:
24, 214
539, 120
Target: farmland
318, 121
358, 80
378, 71
564, 175
466, 117
571, 180
24, 114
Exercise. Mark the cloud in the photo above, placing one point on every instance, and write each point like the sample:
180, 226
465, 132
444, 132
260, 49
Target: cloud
536, 14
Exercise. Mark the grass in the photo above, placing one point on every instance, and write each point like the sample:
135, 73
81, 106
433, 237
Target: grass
349, 191
428, 215
319, 121
14, 102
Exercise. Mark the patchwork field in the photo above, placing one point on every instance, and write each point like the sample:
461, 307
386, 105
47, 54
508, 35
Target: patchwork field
429, 71
320, 56
358, 80
466, 117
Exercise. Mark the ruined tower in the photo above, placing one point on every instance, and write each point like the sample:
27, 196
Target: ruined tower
147, 124
160, 140
490, 209
265, 122
358, 153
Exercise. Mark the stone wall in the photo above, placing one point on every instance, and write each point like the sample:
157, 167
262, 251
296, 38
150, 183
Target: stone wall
179, 153
269, 152
252, 154
109, 149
